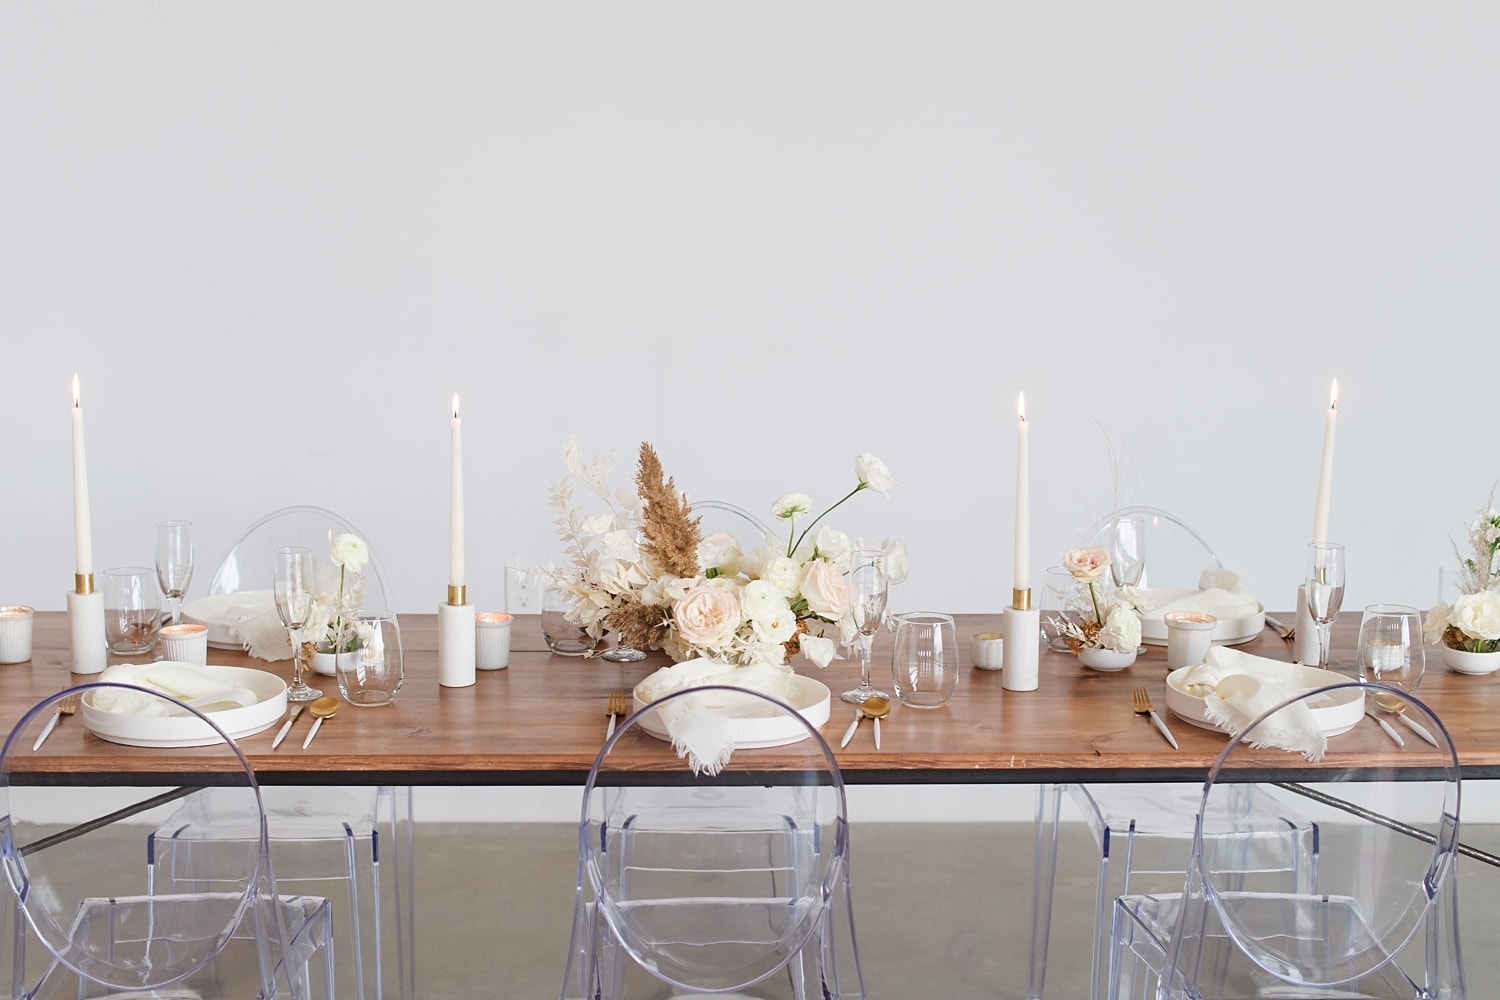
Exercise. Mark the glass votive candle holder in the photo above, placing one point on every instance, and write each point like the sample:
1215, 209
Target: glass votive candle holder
1189, 634
491, 640
987, 650
184, 643
15, 632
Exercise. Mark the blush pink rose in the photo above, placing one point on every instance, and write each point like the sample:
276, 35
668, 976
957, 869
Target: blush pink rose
707, 617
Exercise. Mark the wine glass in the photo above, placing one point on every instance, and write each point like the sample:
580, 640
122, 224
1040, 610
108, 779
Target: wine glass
1390, 651
868, 588
1325, 591
1127, 552
294, 605
623, 652
174, 563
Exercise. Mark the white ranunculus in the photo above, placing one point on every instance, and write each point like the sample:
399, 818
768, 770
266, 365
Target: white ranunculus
720, 551
819, 651
873, 474
776, 629
895, 559
1478, 615
707, 617
1126, 625
1436, 623
762, 599
350, 552
790, 505
783, 574
1086, 564
825, 590
833, 545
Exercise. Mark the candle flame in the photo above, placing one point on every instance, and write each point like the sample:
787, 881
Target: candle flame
455, 406
75, 390
1333, 395
1021, 407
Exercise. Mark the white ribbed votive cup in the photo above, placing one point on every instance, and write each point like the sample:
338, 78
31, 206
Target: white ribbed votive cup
15, 632
491, 640
987, 650
184, 643
1189, 634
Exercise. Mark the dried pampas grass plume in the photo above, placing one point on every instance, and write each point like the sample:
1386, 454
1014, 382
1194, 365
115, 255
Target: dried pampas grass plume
672, 533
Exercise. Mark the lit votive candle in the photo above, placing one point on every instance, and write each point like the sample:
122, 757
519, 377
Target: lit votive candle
1189, 634
987, 650
184, 643
491, 640
15, 633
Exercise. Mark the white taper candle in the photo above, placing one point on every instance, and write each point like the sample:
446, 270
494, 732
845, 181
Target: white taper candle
1325, 470
456, 501
83, 540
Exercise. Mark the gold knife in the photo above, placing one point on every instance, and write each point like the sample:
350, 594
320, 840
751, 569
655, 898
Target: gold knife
286, 726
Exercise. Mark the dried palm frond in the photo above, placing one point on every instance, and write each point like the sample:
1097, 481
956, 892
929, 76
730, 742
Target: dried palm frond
671, 532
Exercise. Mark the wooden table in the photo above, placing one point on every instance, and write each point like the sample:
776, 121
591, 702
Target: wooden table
542, 720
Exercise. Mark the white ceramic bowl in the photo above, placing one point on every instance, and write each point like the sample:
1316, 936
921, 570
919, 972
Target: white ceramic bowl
189, 730
759, 725
1339, 712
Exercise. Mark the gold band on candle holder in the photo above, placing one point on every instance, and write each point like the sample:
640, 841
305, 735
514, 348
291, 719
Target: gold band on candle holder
83, 583
458, 596
1021, 599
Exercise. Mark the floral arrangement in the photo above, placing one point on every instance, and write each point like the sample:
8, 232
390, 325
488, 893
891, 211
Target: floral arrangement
1472, 621
1114, 624
331, 628
644, 569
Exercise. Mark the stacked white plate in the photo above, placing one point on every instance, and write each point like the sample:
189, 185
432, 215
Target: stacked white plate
1240, 618
221, 611
147, 730
757, 724
1336, 713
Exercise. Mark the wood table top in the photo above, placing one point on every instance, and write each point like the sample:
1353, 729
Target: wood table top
541, 721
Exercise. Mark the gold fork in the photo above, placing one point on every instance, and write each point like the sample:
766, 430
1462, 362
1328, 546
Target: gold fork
614, 709
66, 706
1140, 700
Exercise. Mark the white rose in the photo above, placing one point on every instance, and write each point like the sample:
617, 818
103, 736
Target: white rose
833, 544
825, 590
720, 551
819, 651
873, 474
1478, 615
782, 573
790, 505
1436, 623
707, 617
761, 599
1086, 564
776, 629
350, 552
1126, 625
895, 559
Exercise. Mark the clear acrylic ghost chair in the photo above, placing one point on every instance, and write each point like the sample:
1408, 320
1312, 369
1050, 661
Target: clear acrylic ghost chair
1383, 922
747, 529
72, 864
1139, 829
732, 883
318, 834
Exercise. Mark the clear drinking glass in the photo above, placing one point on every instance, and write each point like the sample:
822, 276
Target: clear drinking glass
869, 586
1325, 590
174, 563
371, 675
132, 609
294, 603
1390, 651
924, 664
1060, 599
563, 637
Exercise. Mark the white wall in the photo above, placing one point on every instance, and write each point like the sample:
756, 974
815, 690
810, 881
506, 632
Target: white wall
273, 239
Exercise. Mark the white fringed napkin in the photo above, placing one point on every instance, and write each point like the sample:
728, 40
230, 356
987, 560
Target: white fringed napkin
699, 723
1237, 688
184, 681
260, 632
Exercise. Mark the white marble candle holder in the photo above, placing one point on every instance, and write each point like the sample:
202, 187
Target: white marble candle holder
456, 645
1022, 649
86, 641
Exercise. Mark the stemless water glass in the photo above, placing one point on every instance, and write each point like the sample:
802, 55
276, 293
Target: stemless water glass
1390, 651
132, 610
1325, 590
1059, 600
563, 637
294, 604
868, 588
174, 563
371, 675
924, 664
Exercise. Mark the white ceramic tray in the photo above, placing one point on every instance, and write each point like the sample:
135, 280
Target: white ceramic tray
213, 611
1228, 631
189, 730
1337, 713
758, 725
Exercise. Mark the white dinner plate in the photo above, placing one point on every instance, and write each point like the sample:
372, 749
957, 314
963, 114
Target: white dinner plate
1227, 632
189, 730
1336, 713
760, 725
214, 611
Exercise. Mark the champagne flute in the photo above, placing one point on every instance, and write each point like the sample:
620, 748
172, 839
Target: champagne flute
1325, 591
294, 605
1390, 651
174, 564
1127, 552
868, 588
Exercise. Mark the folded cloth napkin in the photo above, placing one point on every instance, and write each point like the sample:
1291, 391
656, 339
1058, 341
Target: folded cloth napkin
260, 632
1226, 605
699, 724
183, 681
1237, 688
